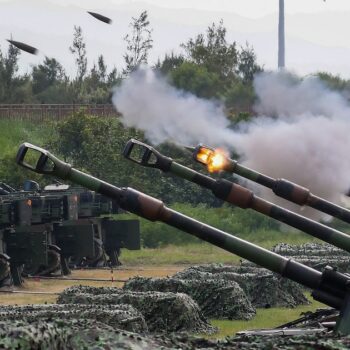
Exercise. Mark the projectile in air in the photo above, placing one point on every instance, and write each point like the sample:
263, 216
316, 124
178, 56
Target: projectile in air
24, 47
100, 17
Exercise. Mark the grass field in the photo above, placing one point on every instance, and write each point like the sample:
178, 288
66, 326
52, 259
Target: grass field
200, 253
265, 318
178, 255
14, 132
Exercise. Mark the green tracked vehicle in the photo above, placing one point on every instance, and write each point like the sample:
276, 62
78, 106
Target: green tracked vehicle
21, 243
109, 235
48, 231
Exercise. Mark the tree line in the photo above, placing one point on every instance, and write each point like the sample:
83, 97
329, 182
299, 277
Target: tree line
208, 66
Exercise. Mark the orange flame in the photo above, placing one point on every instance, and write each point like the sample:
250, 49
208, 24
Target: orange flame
204, 154
215, 160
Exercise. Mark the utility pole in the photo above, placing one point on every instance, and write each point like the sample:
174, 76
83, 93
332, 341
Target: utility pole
281, 36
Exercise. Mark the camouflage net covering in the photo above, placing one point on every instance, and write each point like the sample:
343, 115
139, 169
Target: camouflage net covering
117, 316
307, 342
70, 335
316, 255
263, 288
217, 298
88, 334
319, 341
163, 312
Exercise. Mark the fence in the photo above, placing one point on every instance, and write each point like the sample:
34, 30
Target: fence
41, 112
53, 112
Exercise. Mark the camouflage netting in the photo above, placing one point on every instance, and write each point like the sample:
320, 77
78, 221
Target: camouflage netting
316, 255
70, 335
262, 287
87, 334
217, 298
306, 342
118, 316
163, 312
84, 335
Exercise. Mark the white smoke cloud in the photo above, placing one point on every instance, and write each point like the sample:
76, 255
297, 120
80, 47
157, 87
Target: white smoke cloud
302, 132
308, 141
284, 95
149, 103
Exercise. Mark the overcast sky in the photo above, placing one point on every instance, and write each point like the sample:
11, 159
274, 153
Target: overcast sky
317, 31
247, 8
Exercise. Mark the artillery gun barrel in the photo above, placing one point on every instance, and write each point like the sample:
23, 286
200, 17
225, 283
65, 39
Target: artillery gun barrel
280, 187
230, 192
329, 287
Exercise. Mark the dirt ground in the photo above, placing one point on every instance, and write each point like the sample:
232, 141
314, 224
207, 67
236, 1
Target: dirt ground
57, 286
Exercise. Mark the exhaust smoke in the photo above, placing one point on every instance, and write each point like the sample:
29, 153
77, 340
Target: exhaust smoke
301, 132
148, 102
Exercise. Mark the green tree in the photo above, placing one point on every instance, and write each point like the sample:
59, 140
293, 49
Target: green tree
334, 82
169, 63
239, 97
13, 88
139, 42
92, 81
95, 144
196, 79
47, 74
10, 65
78, 49
247, 64
222, 68
63, 92
102, 69
113, 77
97, 86
213, 52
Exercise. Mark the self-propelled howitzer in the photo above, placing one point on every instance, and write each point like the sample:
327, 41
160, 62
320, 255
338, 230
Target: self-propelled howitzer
215, 160
230, 192
329, 287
